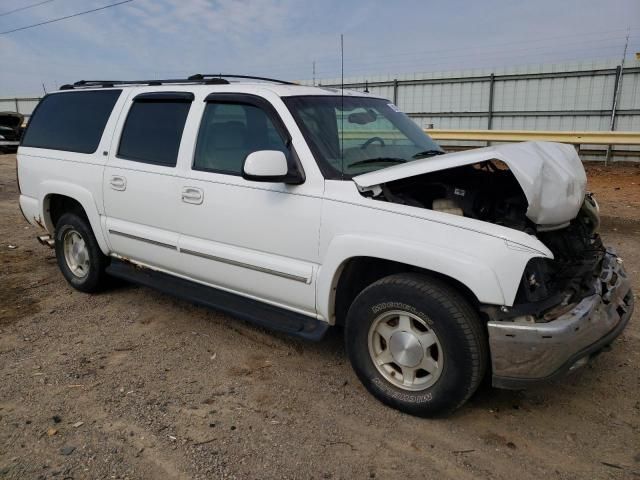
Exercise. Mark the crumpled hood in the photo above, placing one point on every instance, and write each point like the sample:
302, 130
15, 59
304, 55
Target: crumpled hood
551, 175
12, 120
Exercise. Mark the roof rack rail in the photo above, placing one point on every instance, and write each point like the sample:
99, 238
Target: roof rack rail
198, 78
202, 76
113, 83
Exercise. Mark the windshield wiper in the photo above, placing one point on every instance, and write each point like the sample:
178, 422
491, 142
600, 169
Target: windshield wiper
428, 153
378, 160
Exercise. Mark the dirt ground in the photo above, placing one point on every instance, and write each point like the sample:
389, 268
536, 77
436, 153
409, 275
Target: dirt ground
134, 384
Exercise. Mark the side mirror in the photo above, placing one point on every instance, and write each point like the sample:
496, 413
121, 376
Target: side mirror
270, 166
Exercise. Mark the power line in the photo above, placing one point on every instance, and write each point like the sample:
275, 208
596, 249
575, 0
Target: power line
428, 57
597, 36
372, 65
64, 18
24, 8
540, 51
382, 69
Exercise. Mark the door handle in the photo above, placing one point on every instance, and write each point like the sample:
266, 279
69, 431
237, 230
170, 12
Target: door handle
192, 195
118, 183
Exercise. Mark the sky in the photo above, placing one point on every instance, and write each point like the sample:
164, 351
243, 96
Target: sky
282, 38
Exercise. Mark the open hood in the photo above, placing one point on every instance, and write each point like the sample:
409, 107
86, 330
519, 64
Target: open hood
551, 176
12, 120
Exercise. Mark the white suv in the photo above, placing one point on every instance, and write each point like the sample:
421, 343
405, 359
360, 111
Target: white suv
299, 208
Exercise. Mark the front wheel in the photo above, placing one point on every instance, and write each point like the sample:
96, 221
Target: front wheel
79, 257
416, 344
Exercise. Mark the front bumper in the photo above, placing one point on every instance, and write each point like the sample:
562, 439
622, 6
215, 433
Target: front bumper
523, 352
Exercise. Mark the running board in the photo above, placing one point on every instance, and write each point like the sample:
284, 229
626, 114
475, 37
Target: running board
254, 311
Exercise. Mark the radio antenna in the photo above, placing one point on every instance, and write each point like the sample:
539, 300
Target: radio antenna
342, 104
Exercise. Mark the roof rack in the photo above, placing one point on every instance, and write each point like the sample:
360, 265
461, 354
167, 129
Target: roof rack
204, 76
198, 78
113, 83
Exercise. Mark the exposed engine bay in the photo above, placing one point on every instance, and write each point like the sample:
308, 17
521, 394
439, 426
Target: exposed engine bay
481, 191
11, 129
489, 191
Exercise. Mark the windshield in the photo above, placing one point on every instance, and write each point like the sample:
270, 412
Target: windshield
354, 135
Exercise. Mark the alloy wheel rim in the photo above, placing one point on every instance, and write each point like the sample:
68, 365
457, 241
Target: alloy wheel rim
76, 254
405, 350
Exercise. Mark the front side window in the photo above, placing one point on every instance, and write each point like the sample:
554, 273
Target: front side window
153, 130
71, 121
354, 135
231, 131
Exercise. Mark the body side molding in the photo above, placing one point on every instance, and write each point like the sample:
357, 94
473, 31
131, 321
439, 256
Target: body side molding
142, 239
235, 263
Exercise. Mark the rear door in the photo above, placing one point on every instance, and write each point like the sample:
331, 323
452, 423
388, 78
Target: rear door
141, 190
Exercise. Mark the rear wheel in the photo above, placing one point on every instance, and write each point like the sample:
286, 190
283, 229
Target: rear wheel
79, 257
416, 344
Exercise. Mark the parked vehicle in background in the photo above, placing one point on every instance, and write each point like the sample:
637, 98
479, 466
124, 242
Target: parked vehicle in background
299, 208
11, 128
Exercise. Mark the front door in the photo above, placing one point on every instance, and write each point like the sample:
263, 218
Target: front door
254, 238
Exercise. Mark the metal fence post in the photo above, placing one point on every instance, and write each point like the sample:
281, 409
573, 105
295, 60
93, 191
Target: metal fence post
395, 91
492, 82
17, 107
614, 102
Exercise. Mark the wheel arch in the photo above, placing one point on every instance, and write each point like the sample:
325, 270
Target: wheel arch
357, 273
344, 274
58, 198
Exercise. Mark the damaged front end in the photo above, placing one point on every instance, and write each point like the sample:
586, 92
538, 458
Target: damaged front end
11, 129
567, 308
527, 348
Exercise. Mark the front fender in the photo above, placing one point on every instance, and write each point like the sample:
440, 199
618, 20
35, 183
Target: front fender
82, 196
469, 270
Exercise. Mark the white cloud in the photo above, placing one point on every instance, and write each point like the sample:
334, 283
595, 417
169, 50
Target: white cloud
154, 38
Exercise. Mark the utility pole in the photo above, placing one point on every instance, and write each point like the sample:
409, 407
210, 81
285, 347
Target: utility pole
616, 94
314, 73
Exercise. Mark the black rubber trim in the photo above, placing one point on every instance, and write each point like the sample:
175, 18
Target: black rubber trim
512, 383
254, 101
249, 266
142, 239
180, 97
259, 313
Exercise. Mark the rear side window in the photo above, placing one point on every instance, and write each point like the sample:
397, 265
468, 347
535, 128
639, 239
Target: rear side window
153, 129
72, 121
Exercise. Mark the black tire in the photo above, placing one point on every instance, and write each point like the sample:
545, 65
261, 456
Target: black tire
448, 314
95, 278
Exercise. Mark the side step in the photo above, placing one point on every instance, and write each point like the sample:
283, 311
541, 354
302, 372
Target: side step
259, 313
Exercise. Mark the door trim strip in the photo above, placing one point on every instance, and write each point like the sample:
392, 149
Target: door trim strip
142, 239
235, 263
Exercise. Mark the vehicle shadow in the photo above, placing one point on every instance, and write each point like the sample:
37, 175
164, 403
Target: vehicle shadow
331, 349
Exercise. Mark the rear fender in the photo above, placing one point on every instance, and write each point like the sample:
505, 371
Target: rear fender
79, 194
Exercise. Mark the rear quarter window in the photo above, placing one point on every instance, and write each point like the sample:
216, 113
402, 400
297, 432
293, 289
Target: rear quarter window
71, 121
